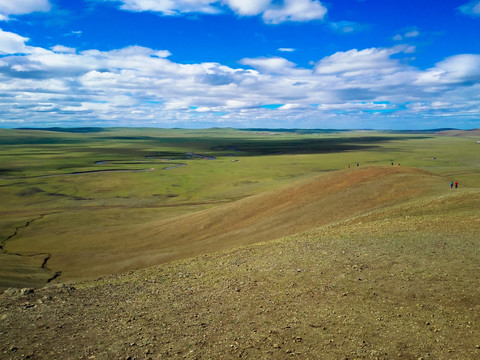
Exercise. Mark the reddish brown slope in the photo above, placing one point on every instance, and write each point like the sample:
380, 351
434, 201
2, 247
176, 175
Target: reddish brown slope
325, 199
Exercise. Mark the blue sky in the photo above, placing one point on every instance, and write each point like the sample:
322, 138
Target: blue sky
343, 64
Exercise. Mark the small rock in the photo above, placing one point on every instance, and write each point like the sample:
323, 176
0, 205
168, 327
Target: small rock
26, 291
27, 305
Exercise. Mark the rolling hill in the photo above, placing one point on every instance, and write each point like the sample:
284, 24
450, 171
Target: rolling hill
302, 206
367, 263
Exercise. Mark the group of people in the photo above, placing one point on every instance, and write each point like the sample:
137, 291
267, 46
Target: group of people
454, 183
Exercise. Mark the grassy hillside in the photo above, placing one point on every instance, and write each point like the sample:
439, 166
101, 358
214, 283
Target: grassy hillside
79, 204
302, 206
390, 271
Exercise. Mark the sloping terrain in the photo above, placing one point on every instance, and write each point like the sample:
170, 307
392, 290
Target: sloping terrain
390, 271
327, 198
473, 132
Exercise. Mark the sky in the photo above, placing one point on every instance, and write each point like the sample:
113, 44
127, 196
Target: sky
336, 64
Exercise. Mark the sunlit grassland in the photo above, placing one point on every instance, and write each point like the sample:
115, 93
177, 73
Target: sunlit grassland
55, 178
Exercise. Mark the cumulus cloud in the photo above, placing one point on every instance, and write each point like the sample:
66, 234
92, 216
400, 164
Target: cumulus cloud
11, 43
458, 69
472, 8
346, 27
286, 49
272, 11
354, 62
407, 35
64, 49
269, 65
145, 87
296, 11
20, 7
248, 7
170, 7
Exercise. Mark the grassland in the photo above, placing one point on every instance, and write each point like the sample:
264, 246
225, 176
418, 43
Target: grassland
79, 204
288, 252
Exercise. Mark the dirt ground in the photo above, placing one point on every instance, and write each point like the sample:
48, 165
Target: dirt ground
396, 283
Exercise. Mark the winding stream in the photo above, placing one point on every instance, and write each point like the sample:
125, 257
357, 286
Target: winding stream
189, 156
46, 256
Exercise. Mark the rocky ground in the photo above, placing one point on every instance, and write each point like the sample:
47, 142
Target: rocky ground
392, 273
402, 283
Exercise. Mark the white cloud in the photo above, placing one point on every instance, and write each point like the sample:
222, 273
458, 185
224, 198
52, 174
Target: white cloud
248, 7
64, 49
398, 37
295, 11
407, 35
354, 62
458, 69
170, 7
269, 65
143, 86
412, 34
20, 7
346, 27
271, 11
472, 8
11, 43
286, 49
291, 106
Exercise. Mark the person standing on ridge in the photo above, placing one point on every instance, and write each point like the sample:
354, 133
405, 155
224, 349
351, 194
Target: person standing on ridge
456, 184
451, 185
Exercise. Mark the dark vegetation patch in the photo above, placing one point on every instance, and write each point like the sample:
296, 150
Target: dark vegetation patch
23, 140
79, 130
166, 155
130, 138
165, 195
30, 191
297, 131
68, 196
304, 146
7, 171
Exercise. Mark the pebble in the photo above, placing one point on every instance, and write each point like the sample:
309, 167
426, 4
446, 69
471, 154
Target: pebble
26, 291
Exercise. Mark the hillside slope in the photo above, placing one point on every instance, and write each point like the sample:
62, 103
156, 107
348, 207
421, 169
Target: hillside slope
397, 281
325, 199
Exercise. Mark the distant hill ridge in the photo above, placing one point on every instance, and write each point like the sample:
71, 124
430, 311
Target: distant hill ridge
473, 132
